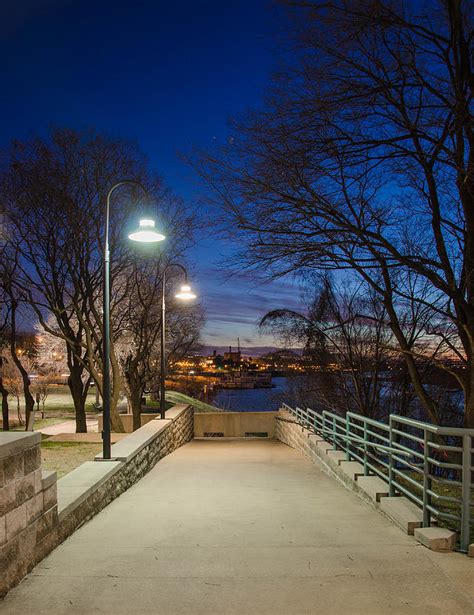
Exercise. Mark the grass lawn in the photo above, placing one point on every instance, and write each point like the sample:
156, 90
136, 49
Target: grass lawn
63, 457
40, 423
154, 406
60, 400
59, 407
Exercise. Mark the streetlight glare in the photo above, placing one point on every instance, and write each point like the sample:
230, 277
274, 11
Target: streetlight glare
146, 232
185, 293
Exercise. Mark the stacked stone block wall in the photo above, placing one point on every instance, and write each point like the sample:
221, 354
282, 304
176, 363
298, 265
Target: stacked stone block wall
28, 506
288, 431
291, 433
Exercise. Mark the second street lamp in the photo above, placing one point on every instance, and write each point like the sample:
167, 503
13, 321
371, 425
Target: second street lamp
145, 233
184, 293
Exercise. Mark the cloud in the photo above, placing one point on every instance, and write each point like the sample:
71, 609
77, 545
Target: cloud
235, 302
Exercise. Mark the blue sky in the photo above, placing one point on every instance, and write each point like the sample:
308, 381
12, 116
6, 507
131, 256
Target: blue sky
168, 75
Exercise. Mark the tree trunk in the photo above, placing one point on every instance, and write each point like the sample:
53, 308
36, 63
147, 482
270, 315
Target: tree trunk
135, 386
115, 419
29, 399
5, 411
136, 403
79, 393
469, 403
136, 390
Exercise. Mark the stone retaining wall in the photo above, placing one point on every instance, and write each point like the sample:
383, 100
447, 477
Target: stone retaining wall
37, 514
291, 433
234, 424
28, 506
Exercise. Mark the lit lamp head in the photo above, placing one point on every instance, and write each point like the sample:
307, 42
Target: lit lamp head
146, 232
185, 293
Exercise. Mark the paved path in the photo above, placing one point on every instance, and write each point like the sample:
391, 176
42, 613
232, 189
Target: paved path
68, 427
242, 527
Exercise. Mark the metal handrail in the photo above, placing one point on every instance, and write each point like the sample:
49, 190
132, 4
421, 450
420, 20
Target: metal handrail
401, 450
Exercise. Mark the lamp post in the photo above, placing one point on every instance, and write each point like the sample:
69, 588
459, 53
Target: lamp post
145, 233
184, 293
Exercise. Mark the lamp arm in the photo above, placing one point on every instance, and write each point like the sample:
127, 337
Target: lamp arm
122, 182
183, 269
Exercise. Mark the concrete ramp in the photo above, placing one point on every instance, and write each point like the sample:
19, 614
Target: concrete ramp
237, 527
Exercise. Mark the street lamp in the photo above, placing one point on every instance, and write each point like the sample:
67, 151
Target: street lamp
184, 293
145, 233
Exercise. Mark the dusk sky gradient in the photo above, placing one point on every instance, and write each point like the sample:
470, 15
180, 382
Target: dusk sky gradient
168, 75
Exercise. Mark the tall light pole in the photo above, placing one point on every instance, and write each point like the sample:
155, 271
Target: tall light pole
145, 233
184, 293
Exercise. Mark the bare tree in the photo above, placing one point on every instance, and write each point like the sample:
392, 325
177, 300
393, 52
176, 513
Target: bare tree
4, 394
54, 192
18, 358
4, 311
12, 382
346, 337
43, 388
184, 327
50, 350
363, 161
138, 332
138, 336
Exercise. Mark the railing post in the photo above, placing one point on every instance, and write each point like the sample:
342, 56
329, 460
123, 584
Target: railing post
466, 492
366, 460
348, 431
334, 433
427, 437
391, 488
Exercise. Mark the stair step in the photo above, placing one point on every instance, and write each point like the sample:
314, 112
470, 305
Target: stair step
373, 486
336, 456
403, 512
436, 538
324, 446
352, 469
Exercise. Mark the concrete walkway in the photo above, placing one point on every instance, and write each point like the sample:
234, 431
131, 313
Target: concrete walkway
242, 527
67, 427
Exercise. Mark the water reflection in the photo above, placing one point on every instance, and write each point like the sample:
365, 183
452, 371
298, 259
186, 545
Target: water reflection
252, 400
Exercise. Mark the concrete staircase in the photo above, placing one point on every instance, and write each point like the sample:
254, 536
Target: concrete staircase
371, 488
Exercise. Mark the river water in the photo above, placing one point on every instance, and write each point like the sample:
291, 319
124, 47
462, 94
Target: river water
252, 400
